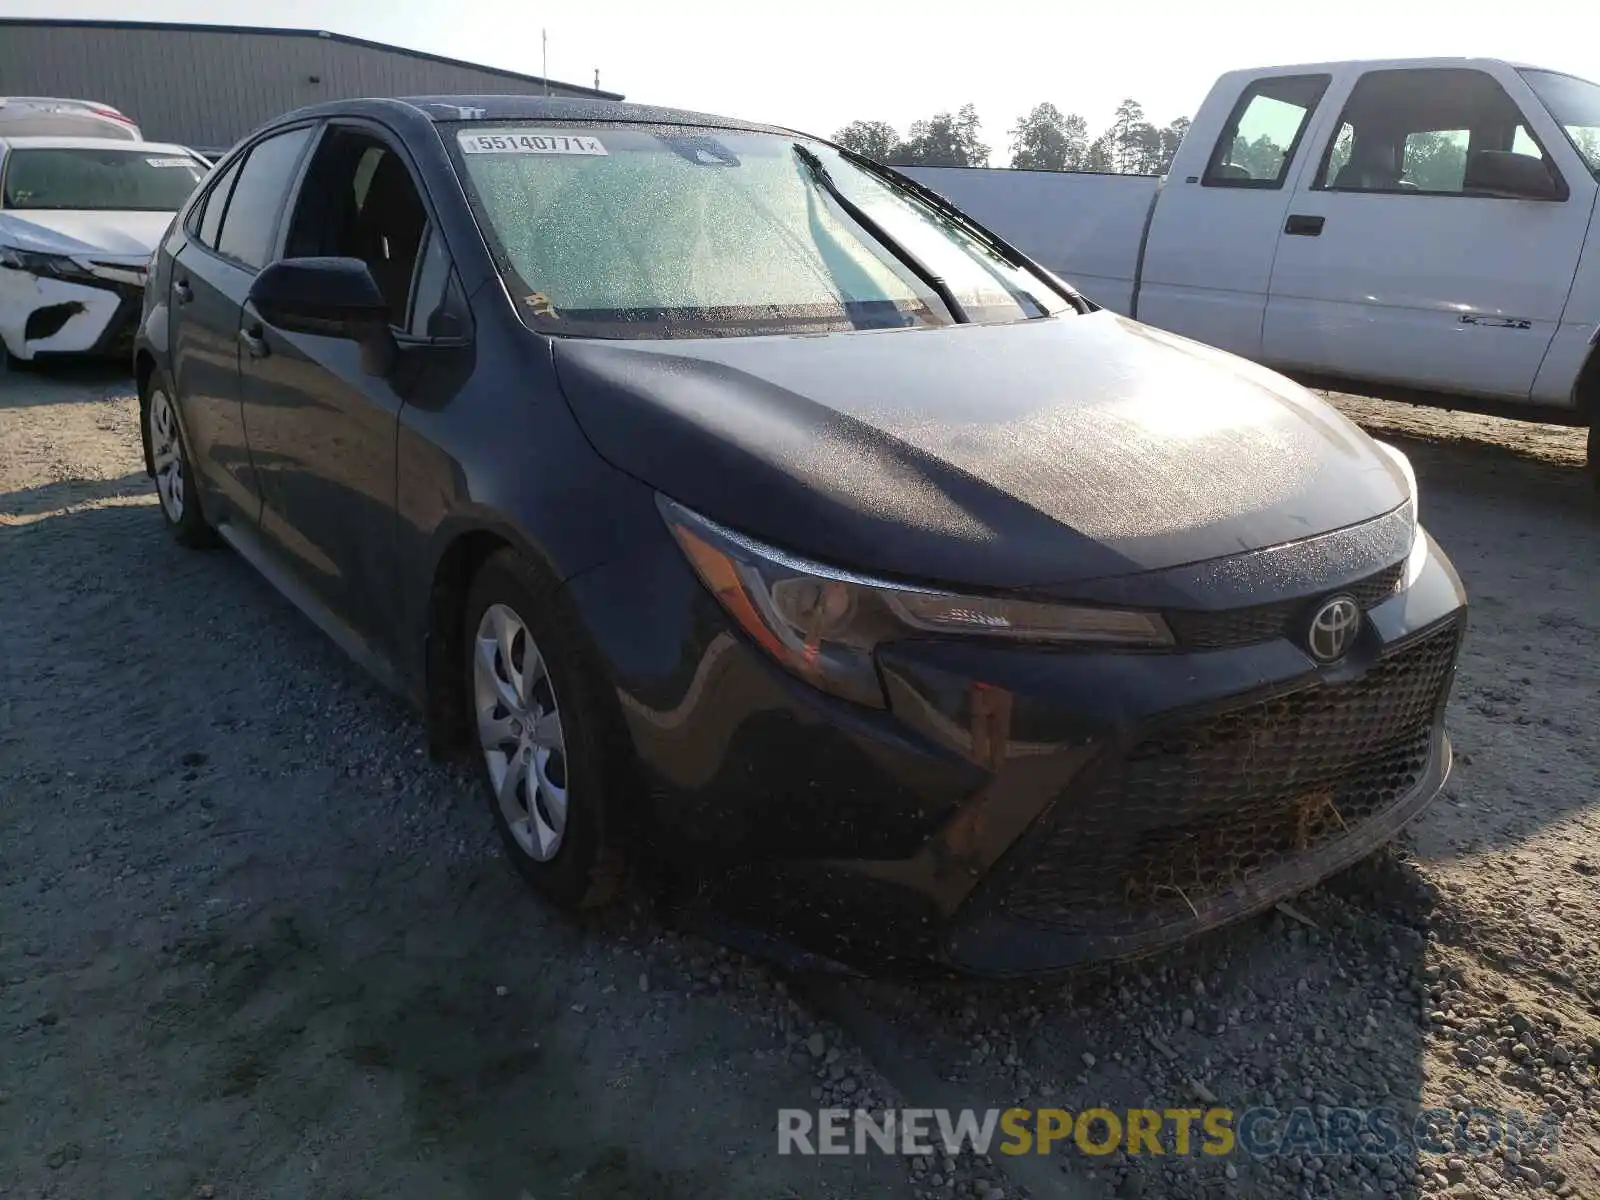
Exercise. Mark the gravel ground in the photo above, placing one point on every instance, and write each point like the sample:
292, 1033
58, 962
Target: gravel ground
253, 943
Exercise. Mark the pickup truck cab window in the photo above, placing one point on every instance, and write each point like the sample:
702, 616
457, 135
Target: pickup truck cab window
1575, 105
1437, 132
1258, 142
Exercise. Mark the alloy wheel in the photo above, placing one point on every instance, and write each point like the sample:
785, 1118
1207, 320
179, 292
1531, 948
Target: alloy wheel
519, 730
167, 454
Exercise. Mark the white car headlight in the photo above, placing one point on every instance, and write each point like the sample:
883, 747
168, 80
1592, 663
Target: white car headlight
823, 623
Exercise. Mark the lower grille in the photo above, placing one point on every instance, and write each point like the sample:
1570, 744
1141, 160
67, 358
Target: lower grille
1193, 812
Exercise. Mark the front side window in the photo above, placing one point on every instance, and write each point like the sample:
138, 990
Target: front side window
1425, 131
1575, 105
359, 201
1258, 143
112, 180
659, 231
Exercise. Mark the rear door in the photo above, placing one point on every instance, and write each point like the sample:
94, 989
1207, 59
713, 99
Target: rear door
228, 235
1395, 265
1208, 256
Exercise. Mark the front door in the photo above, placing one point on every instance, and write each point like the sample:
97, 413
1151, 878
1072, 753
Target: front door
1399, 262
323, 426
1208, 255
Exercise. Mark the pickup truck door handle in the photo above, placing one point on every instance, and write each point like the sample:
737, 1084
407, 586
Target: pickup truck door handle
254, 342
182, 291
1301, 225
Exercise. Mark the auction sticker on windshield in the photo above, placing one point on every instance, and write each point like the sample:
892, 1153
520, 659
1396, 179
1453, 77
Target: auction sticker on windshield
514, 141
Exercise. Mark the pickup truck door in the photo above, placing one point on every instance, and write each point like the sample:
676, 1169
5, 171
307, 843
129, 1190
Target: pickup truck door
1405, 256
1207, 259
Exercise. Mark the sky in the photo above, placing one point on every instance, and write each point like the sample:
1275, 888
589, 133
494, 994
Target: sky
817, 65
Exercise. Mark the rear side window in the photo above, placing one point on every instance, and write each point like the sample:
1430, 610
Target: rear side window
258, 195
209, 221
1423, 131
1258, 142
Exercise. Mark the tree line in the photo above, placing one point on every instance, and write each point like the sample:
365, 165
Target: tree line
1046, 139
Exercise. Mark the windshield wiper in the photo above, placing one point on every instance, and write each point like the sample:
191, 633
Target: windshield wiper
950, 212
819, 174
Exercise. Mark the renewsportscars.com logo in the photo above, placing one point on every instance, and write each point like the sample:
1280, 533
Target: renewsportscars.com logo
1262, 1132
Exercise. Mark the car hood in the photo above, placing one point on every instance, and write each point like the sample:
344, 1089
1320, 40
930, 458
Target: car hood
1031, 454
71, 231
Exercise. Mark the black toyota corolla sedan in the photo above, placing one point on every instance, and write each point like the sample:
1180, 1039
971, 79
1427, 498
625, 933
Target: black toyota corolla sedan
738, 506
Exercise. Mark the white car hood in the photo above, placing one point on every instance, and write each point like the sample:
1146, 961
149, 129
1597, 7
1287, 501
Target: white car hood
77, 232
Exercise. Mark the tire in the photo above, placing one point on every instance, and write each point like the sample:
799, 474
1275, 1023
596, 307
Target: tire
174, 478
10, 362
1592, 465
550, 785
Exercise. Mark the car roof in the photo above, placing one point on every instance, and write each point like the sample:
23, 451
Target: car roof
536, 108
46, 142
4, 100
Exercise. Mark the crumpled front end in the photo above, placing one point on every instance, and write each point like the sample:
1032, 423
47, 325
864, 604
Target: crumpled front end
70, 306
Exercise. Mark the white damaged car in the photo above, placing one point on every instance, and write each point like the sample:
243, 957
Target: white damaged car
80, 219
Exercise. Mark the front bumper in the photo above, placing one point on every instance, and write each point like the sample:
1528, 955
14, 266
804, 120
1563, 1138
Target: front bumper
40, 315
1020, 810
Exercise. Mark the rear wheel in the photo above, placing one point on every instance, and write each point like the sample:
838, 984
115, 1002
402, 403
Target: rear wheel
180, 505
549, 760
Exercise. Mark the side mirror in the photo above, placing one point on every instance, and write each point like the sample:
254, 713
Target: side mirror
1510, 176
333, 297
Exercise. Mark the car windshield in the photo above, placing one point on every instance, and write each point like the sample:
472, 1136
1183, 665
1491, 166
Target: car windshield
142, 180
656, 231
1575, 104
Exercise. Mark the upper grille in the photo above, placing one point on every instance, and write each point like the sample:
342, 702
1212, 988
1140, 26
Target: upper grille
1192, 812
1263, 622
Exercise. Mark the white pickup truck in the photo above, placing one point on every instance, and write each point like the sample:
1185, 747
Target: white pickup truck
1416, 230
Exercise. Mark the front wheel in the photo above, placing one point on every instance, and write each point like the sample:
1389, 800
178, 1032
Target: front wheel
549, 760
174, 470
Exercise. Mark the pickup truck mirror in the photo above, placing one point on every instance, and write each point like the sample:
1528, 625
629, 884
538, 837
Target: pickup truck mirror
1511, 176
333, 297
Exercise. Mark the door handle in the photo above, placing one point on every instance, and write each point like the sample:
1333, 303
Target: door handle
183, 291
1301, 225
254, 342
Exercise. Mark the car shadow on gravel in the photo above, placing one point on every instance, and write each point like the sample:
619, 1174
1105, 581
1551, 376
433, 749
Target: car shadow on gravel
52, 497
64, 381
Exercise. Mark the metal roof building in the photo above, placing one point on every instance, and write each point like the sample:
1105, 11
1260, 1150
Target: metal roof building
208, 85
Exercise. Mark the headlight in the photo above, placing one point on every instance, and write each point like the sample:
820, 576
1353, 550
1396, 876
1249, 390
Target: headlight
823, 624
56, 266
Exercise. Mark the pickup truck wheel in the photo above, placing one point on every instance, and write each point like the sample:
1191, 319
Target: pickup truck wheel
549, 757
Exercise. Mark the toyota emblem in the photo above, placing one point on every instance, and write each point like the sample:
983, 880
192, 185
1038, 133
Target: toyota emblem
1333, 629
